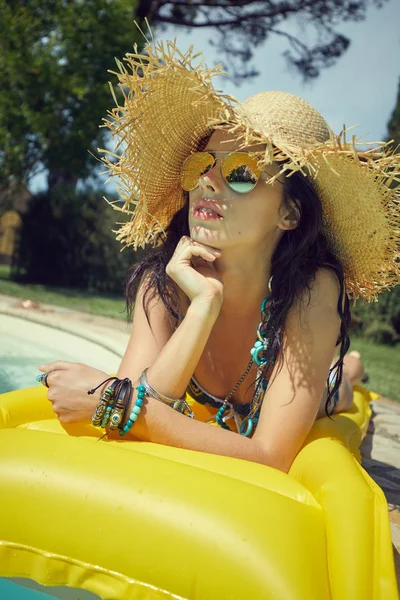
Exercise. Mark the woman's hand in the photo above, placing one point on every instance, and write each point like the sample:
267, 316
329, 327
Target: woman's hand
191, 267
68, 385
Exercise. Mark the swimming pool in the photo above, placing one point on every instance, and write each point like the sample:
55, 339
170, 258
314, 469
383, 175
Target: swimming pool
15, 589
23, 346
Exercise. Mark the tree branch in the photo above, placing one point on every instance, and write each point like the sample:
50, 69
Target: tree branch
283, 10
280, 9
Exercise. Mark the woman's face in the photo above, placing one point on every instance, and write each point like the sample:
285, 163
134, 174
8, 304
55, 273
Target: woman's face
250, 219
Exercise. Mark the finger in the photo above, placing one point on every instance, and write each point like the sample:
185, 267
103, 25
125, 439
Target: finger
199, 251
49, 377
57, 365
216, 251
213, 249
187, 242
199, 261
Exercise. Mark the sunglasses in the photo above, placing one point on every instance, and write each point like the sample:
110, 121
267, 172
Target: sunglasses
239, 169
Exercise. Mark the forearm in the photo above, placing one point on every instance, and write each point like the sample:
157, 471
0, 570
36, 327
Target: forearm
161, 424
171, 371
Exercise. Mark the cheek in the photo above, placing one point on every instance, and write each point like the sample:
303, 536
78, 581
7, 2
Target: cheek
262, 208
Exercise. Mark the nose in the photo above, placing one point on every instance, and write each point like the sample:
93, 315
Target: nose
212, 180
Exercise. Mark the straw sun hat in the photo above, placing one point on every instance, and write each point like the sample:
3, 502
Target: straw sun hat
170, 107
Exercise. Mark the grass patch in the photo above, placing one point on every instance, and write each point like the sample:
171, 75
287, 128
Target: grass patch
94, 303
382, 365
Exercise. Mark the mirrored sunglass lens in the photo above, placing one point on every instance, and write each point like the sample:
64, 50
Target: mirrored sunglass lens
194, 167
240, 171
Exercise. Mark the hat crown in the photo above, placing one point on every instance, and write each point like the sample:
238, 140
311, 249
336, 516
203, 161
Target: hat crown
285, 118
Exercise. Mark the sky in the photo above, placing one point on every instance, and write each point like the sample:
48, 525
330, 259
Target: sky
361, 89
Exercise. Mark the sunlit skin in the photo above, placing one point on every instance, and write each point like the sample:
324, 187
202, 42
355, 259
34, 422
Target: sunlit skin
247, 236
251, 228
215, 346
252, 225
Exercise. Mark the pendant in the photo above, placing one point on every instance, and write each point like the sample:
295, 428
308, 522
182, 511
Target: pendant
219, 417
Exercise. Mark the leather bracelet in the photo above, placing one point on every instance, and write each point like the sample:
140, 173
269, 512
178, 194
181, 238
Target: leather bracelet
178, 404
122, 398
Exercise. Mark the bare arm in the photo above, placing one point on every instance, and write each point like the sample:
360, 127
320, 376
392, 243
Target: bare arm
291, 402
173, 357
293, 397
170, 374
174, 365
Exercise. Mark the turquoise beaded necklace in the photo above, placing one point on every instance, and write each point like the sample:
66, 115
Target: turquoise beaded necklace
258, 358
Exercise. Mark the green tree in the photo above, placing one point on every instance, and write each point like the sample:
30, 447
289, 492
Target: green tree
54, 83
394, 123
67, 240
239, 26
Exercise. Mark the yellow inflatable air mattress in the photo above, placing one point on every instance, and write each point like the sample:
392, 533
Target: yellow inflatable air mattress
139, 521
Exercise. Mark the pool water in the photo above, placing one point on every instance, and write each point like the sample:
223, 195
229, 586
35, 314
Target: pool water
12, 591
25, 345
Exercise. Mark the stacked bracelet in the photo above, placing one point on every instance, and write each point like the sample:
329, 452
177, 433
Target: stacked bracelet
122, 399
106, 400
114, 401
178, 404
135, 411
109, 407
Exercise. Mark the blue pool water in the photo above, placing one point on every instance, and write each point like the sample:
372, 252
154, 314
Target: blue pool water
25, 345
11, 591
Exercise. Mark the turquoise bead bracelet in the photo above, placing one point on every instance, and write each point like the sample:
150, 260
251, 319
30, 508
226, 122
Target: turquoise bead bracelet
135, 411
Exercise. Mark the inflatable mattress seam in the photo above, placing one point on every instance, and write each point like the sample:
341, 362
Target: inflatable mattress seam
83, 567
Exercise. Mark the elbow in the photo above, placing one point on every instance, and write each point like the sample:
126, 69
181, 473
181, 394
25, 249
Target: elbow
265, 456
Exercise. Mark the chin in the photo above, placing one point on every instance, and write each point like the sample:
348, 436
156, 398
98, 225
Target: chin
202, 233
209, 237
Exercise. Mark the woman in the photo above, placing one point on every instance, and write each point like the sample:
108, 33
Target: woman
251, 216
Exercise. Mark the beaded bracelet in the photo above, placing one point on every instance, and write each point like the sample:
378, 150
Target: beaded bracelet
135, 411
105, 401
107, 412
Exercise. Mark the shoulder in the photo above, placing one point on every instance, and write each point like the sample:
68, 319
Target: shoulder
324, 291
317, 306
150, 303
326, 286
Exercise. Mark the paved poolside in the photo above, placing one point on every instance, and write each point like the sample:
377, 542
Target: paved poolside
380, 448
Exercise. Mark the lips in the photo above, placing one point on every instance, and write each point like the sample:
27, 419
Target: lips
204, 203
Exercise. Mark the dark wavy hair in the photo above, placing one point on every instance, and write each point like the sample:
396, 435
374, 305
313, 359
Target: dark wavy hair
296, 259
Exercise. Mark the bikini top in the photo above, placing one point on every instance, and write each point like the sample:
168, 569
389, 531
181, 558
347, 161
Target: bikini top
199, 394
